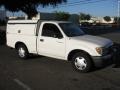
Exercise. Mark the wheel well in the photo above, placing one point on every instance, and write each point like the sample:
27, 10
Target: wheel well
19, 43
74, 52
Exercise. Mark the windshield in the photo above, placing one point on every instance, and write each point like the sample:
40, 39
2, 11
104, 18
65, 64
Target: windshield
71, 30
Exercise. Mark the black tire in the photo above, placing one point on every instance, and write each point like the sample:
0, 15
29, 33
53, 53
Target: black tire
82, 62
22, 51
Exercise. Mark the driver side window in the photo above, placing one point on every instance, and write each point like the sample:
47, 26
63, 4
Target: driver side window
51, 30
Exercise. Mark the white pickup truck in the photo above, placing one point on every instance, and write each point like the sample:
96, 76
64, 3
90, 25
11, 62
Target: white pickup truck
58, 39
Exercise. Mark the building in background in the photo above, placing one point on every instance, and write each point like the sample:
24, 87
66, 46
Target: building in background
98, 20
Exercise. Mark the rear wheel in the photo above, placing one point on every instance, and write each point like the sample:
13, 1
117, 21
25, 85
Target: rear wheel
82, 62
22, 51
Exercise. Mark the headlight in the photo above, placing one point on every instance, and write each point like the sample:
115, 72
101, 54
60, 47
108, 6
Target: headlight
99, 50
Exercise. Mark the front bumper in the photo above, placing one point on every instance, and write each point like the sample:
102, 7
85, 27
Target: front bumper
100, 61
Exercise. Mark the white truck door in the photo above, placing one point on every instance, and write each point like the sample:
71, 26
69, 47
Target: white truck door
51, 41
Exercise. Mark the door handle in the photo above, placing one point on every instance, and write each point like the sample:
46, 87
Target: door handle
41, 40
59, 42
19, 31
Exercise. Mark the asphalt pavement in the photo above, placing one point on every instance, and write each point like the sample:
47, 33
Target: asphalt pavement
43, 73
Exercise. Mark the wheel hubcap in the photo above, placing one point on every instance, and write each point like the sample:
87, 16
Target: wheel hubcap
21, 52
80, 63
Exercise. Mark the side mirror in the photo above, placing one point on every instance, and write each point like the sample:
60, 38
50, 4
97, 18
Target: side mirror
58, 36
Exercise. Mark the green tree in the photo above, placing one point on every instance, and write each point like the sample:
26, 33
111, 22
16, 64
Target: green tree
61, 16
84, 16
28, 6
88, 17
107, 18
116, 19
74, 18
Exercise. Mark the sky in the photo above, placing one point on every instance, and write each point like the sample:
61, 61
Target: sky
93, 7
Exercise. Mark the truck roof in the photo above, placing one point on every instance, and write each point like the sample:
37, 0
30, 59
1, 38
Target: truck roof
23, 21
33, 21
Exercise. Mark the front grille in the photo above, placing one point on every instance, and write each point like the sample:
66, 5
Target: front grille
112, 49
109, 50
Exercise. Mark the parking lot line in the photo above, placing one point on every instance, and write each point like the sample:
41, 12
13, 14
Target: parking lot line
22, 84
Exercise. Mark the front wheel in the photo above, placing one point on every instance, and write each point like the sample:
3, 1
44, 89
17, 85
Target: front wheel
82, 62
22, 51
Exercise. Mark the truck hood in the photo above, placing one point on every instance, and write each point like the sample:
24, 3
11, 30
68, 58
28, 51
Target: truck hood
93, 40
